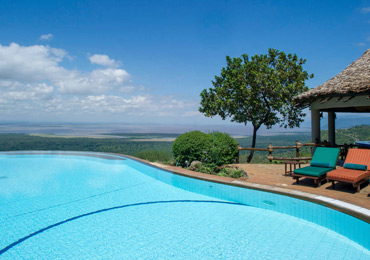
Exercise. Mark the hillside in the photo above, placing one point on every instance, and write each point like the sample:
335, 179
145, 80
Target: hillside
17, 142
350, 135
143, 145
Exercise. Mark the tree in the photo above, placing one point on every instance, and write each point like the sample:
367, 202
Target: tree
259, 90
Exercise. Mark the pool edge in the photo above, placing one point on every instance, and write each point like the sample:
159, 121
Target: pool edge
338, 205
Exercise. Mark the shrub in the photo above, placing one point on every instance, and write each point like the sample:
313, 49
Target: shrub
213, 148
190, 147
224, 149
208, 168
233, 173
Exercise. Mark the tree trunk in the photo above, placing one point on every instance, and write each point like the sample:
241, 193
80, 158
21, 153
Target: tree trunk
249, 159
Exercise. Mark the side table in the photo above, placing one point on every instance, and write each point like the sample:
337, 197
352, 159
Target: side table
291, 164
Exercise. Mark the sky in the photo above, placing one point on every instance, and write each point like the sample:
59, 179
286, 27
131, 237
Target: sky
146, 62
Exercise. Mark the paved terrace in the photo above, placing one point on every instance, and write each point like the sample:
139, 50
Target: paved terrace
273, 175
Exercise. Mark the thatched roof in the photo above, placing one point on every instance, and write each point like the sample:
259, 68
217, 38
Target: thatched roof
352, 81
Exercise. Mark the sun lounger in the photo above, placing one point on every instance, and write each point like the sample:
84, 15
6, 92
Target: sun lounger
356, 169
324, 160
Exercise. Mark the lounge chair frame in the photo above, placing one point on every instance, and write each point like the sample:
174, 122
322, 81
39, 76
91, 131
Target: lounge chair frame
317, 180
354, 184
358, 156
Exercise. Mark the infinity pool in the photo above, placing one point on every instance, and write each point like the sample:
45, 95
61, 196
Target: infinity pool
100, 206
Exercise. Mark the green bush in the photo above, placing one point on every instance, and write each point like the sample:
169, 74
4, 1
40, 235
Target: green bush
190, 146
155, 156
233, 173
208, 168
224, 149
213, 148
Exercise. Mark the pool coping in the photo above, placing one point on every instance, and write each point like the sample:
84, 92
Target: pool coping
345, 207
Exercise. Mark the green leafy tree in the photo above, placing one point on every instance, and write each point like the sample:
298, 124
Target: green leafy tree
259, 90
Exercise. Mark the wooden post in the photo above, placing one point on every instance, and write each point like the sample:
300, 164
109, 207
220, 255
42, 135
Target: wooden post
331, 128
270, 148
296, 149
315, 126
298, 146
237, 157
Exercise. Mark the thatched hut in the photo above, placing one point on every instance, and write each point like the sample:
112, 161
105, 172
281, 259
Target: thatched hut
349, 91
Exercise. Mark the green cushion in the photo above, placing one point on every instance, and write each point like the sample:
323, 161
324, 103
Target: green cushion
326, 154
320, 164
313, 171
355, 166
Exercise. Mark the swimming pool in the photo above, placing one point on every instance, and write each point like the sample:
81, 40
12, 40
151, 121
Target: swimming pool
100, 206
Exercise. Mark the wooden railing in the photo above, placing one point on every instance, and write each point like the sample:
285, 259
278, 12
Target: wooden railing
298, 145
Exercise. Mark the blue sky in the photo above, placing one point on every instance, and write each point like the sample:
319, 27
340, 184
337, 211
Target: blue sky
147, 61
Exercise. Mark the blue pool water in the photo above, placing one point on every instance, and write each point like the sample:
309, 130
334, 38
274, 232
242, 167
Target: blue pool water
71, 206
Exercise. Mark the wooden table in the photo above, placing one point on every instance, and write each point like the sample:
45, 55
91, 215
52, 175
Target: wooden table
291, 164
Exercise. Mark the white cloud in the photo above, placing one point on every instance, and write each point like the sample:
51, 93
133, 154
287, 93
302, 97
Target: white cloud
93, 105
39, 63
24, 98
35, 84
142, 88
97, 81
46, 37
6, 83
30, 64
127, 89
365, 10
103, 60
